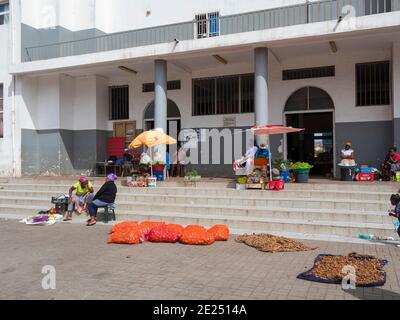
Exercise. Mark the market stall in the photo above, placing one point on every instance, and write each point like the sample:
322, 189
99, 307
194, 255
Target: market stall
151, 139
255, 168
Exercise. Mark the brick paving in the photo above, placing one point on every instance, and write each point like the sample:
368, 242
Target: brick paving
88, 268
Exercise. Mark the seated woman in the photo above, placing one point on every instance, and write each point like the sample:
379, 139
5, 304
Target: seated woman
80, 195
391, 164
347, 155
105, 196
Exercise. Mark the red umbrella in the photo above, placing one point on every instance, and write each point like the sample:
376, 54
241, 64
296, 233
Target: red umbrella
258, 130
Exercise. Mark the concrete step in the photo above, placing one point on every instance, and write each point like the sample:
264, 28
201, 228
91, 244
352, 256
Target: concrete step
305, 214
306, 194
319, 185
270, 199
255, 224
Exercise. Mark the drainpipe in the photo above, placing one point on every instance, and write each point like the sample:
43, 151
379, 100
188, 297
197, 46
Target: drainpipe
13, 124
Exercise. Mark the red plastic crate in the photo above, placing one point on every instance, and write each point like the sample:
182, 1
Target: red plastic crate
365, 177
276, 185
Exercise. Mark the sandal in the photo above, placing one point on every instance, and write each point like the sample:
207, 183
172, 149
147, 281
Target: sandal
67, 219
91, 224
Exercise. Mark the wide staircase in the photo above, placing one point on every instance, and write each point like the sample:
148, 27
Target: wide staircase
321, 210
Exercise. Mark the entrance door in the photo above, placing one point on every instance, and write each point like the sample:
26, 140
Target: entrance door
311, 108
313, 145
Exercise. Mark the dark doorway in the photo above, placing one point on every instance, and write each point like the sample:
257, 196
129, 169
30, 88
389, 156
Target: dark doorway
313, 145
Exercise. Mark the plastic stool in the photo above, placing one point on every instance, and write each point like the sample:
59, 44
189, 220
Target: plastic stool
109, 209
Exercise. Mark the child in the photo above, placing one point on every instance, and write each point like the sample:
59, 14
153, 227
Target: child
395, 201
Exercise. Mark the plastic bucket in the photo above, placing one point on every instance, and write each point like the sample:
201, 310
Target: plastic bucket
152, 182
347, 174
159, 175
301, 176
285, 176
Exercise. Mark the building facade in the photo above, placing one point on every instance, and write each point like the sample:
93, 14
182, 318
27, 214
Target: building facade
73, 73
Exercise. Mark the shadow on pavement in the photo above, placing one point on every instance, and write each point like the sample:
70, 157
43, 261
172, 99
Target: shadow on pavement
373, 294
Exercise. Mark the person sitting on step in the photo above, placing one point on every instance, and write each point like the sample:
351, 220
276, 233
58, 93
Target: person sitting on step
104, 197
80, 195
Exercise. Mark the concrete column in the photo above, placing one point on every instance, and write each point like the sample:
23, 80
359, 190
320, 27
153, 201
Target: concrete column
261, 86
160, 90
396, 93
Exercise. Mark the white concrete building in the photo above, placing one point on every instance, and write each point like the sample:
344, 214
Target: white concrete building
332, 67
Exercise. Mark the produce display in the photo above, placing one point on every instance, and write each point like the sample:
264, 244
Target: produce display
123, 225
270, 243
164, 233
220, 232
126, 236
196, 235
132, 232
328, 269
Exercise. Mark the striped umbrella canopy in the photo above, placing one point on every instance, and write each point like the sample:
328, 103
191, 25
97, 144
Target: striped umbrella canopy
270, 130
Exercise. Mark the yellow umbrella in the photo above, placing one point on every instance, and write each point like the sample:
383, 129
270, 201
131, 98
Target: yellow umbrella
150, 139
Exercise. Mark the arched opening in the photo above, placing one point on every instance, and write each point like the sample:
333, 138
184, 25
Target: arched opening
311, 108
173, 118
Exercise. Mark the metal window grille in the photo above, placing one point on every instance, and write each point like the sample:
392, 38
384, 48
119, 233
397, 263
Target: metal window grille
171, 85
201, 24
247, 93
373, 83
207, 25
1, 111
223, 95
377, 6
119, 103
213, 24
308, 73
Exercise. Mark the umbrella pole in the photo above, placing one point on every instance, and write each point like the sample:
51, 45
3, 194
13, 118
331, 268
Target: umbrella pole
270, 159
151, 167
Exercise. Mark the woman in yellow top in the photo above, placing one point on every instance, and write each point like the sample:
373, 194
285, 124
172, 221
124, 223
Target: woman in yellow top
80, 195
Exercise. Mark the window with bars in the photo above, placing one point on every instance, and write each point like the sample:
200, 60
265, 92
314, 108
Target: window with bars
223, 95
119, 103
308, 73
171, 85
4, 12
207, 24
1, 111
373, 83
377, 6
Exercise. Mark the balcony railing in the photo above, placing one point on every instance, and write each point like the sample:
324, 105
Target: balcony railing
252, 21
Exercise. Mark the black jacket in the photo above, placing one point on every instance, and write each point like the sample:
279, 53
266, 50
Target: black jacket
107, 192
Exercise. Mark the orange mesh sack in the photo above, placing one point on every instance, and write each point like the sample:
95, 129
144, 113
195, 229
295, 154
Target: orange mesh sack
220, 232
126, 225
196, 235
176, 227
146, 227
126, 237
164, 233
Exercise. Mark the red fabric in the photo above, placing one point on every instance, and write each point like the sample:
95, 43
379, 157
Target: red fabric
396, 157
116, 146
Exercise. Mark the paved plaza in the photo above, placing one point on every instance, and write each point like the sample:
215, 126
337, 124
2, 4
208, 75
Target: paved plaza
88, 268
